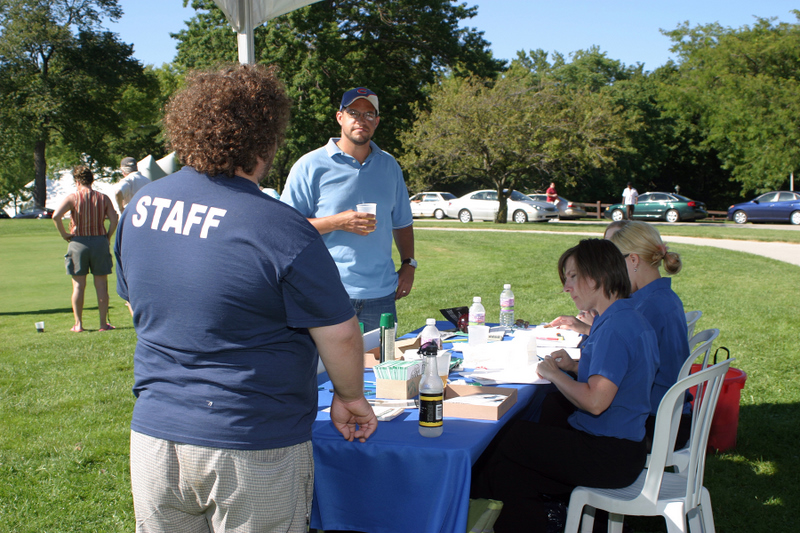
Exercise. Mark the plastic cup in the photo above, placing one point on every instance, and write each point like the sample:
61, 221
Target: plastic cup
478, 335
40, 327
443, 365
367, 208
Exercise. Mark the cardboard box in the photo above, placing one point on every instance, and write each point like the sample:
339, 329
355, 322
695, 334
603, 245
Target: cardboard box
372, 357
397, 389
479, 412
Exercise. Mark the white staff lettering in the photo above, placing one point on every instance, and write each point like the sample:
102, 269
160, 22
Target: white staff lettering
161, 204
175, 220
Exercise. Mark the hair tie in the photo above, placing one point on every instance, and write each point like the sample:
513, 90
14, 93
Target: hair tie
663, 249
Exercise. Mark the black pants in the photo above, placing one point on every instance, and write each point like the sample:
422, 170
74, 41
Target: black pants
535, 459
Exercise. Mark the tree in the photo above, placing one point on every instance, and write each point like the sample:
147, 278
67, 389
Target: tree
520, 131
744, 85
394, 47
62, 78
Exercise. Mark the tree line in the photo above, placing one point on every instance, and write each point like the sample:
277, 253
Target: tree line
720, 122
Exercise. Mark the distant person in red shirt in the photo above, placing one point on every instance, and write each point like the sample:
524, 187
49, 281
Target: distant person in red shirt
88, 240
552, 194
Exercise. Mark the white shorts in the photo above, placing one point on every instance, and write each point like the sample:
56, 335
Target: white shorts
181, 488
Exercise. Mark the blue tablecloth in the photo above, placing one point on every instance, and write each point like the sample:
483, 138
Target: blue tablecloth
399, 481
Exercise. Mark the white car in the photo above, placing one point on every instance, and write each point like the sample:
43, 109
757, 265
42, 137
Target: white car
566, 208
483, 205
430, 204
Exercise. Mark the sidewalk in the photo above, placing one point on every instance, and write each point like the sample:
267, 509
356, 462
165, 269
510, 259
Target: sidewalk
786, 252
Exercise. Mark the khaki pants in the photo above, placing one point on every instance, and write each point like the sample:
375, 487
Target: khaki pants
181, 488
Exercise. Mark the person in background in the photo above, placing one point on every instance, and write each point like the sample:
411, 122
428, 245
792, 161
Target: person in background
130, 183
327, 184
630, 197
600, 442
235, 298
552, 194
89, 242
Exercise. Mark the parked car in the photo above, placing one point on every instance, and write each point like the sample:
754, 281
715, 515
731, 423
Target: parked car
483, 205
777, 206
566, 208
3, 214
661, 206
35, 212
430, 204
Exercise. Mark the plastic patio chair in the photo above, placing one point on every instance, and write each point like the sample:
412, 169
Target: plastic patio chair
691, 319
676, 497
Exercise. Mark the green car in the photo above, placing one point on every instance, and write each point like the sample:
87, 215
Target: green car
661, 206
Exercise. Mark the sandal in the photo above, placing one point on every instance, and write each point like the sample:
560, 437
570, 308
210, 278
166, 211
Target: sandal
107, 327
76, 329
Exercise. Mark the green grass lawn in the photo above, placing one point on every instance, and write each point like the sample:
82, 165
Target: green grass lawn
65, 398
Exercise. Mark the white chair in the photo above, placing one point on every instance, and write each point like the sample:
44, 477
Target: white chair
700, 344
676, 497
691, 319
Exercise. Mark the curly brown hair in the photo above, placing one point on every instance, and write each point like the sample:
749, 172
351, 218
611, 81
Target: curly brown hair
226, 118
83, 175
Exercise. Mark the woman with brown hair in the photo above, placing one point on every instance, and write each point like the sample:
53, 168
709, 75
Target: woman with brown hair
89, 240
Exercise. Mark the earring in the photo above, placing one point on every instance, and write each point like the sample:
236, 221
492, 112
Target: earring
636, 270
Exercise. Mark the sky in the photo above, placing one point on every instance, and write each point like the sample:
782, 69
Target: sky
627, 30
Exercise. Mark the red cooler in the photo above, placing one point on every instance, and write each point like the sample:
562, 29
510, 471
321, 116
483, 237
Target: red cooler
726, 417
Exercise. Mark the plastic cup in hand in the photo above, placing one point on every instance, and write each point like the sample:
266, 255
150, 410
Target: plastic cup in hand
367, 208
40, 327
478, 335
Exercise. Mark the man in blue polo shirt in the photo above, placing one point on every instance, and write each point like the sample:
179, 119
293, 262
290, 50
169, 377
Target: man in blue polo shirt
327, 185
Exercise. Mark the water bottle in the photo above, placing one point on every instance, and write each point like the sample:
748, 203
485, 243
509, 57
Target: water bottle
507, 307
477, 314
431, 394
430, 333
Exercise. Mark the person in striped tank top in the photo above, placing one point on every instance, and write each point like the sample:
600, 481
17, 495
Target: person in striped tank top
89, 240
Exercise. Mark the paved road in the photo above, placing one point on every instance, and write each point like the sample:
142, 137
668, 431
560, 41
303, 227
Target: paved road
787, 252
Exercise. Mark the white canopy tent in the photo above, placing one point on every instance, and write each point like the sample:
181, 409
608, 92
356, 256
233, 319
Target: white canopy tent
246, 15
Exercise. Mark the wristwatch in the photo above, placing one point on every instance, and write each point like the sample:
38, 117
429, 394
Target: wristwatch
410, 261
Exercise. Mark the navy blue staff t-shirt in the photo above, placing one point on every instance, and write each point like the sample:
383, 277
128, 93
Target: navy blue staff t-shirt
224, 282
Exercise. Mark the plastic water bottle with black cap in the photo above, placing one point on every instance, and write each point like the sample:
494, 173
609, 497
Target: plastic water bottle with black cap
431, 394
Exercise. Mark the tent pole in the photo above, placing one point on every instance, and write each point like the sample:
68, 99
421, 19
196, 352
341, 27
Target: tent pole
244, 37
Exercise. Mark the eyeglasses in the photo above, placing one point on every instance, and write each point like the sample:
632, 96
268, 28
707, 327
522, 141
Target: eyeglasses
357, 115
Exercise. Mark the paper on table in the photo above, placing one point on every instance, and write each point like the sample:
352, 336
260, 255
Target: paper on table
500, 376
554, 336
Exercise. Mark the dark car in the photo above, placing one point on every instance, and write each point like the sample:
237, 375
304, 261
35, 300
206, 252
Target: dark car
35, 212
661, 206
3, 214
777, 206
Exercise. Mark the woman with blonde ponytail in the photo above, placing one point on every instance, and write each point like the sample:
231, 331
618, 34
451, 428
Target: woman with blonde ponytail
652, 295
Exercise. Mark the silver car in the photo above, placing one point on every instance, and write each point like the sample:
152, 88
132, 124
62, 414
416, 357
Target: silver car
566, 208
430, 204
484, 205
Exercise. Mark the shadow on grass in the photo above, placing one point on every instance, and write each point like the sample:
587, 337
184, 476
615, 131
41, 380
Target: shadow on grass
44, 311
753, 486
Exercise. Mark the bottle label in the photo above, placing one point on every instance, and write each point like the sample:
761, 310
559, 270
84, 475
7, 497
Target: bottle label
507, 303
430, 410
477, 319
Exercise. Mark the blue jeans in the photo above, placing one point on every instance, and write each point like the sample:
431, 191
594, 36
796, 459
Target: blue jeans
369, 311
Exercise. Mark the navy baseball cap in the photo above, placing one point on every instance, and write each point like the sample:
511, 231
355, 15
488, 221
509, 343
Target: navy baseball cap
359, 92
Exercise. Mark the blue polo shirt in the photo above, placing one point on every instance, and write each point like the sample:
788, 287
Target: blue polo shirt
327, 181
663, 309
621, 347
